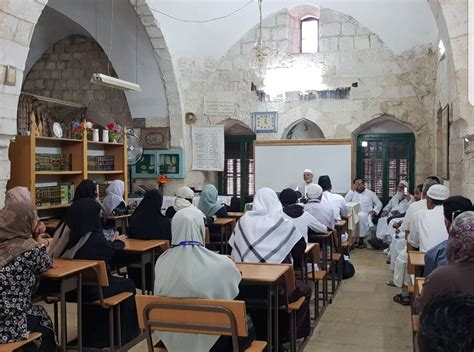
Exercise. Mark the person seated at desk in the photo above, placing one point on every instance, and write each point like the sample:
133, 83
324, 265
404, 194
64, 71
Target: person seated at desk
86, 189
265, 235
370, 205
438, 255
184, 199
209, 203
113, 203
22, 194
85, 240
147, 222
323, 213
334, 200
428, 228
190, 270
22, 259
458, 275
308, 180
396, 207
447, 324
302, 219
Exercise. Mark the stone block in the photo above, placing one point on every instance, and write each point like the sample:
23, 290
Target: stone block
329, 29
8, 25
51, 65
154, 32
56, 74
328, 44
362, 42
49, 84
13, 53
346, 43
23, 33
362, 30
39, 84
77, 96
280, 33
99, 95
73, 84
60, 65
282, 19
375, 41
347, 28
27, 10
148, 20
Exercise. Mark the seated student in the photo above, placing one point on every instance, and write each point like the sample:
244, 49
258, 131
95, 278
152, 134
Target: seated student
22, 259
85, 240
86, 189
397, 206
209, 203
113, 203
22, 194
297, 214
457, 275
447, 324
321, 212
184, 199
438, 255
188, 269
265, 235
147, 222
428, 228
334, 200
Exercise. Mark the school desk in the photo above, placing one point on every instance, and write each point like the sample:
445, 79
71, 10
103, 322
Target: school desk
226, 226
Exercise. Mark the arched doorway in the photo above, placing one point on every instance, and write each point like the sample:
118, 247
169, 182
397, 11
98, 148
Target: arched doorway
238, 178
385, 155
302, 129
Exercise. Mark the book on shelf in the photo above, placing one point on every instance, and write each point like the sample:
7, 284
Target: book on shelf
60, 194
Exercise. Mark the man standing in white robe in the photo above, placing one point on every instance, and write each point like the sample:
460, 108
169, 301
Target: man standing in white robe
398, 205
333, 200
370, 205
308, 180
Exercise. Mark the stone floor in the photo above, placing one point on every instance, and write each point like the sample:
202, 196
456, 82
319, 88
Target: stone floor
362, 317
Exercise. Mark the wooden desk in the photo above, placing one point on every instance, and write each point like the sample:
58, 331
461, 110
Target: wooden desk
324, 238
226, 226
235, 214
268, 275
123, 219
68, 273
146, 250
340, 226
415, 260
419, 282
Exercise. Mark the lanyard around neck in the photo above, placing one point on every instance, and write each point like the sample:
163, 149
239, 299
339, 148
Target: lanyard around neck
188, 243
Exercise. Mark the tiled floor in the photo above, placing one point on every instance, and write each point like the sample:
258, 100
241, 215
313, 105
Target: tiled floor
362, 317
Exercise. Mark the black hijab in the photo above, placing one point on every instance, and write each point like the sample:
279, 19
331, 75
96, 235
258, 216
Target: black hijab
83, 217
86, 189
288, 198
147, 222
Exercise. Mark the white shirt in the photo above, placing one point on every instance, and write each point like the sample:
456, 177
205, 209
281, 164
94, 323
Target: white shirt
368, 200
303, 191
412, 210
337, 202
321, 212
306, 221
396, 205
428, 229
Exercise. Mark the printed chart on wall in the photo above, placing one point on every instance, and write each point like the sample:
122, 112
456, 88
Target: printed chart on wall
208, 148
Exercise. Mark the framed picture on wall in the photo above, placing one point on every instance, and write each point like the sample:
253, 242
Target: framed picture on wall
155, 138
172, 162
445, 142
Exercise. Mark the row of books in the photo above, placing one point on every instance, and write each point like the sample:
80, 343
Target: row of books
63, 193
53, 162
101, 163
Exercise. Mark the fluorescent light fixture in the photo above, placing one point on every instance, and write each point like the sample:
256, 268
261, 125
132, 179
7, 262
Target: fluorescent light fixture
55, 101
112, 82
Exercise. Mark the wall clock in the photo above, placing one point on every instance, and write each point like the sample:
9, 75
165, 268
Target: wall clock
265, 122
155, 138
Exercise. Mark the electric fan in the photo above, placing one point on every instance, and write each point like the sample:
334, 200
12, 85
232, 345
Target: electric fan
134, 153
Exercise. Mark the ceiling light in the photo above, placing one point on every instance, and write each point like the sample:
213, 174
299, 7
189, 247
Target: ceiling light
112, 82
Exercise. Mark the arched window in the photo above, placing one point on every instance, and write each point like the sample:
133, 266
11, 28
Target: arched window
309, 35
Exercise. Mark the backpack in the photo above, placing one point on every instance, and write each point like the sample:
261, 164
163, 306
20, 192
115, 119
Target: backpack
348, 269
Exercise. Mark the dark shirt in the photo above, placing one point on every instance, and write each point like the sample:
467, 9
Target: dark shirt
98, 248
435, 257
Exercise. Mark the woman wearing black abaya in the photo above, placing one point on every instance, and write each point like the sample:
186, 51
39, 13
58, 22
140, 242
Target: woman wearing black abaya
86, 189
87, 242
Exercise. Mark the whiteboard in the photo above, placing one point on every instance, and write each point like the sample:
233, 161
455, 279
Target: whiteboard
280, 164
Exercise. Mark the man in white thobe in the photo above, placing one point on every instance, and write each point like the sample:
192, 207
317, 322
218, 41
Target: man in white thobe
321, 212
333, 200
370, 205
428, 228
397, 206
308, 180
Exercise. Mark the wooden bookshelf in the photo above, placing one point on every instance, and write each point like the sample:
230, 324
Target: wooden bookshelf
22, 154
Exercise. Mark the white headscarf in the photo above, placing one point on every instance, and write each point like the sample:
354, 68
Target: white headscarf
114, 196
182, 196
188, 270
263, 234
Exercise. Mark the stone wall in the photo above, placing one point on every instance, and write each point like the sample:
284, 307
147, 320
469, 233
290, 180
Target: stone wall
64, 72
350, 54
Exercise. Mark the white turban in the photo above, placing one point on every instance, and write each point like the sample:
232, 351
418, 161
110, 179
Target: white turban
308, 171
404, 183
314, 191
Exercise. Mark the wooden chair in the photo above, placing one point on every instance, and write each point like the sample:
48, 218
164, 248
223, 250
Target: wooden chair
196, 316
313, 255
16, 346
97, 276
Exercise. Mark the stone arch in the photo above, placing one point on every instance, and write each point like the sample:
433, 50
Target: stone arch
384, 124
22, 17
233, 127
302, 129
